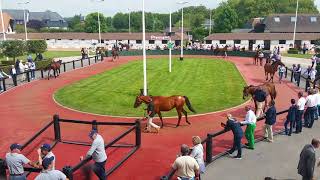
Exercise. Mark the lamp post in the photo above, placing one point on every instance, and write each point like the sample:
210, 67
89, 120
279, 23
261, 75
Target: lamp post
144, 50
129, 21
4, 33
182, 3
170, 48
295, 25
210, 23
24, 18
99, 24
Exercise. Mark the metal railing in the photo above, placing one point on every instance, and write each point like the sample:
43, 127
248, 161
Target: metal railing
209, 145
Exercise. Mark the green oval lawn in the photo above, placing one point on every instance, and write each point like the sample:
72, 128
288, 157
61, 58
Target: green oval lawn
211, 85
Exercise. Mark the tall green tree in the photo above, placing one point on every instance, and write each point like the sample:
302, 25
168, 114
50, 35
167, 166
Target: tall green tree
91, 23
225, 19
36, 46
13, 48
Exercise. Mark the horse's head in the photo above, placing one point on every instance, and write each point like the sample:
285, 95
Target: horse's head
246, 91
140, 99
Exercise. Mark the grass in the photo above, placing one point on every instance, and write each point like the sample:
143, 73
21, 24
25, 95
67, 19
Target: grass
305, 56
211, 85
50, 55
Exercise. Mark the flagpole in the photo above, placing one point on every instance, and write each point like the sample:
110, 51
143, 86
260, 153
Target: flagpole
4, 33
295, 25
170, 48
144, 51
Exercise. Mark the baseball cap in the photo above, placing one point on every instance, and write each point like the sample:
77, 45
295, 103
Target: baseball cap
47, 161
92, 132
15, 146
46, 147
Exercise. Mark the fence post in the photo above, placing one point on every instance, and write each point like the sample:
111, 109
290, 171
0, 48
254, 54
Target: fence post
138, 133
286, 75
41, 73
291, 76
4, 84
73, 64
56, 125
299, 79
95, 59
101, 57
64, 67
94, 125
28, 75
67, 170
3, 172
89, 61
209, 149
81, 62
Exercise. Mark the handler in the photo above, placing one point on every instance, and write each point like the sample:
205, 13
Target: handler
150, 115
250, 121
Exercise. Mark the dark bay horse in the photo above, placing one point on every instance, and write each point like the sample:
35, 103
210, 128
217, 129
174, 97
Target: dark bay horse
55, 66
258, 56
115, 53
162, 103
268, 87
221, 51
271, 68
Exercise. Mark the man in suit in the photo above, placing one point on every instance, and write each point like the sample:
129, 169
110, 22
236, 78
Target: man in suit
237, 131
308, 160
271, 116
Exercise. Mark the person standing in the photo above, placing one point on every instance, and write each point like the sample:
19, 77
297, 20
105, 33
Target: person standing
300, 109
317, 99
45, 152
282, 69
2, 76
313, 73
271, 117
197, 153
297, 73
291, 117
260, 96
186, 166
13, 74
250, 121
233, 125
98, 153
32, 67
15, 162
48, 172
310, 111
150, 115
307, 160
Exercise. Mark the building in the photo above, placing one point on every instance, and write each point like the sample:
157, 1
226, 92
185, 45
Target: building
48, 18
8, 24
79, 40
275, 30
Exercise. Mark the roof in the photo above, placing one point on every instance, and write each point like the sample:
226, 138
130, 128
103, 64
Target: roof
6, 21
177, 29
47, 15
263, 36
16, 14
91, 36
285, 25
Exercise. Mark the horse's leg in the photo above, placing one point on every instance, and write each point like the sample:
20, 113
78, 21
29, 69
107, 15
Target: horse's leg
179, 116
186, 114
160, 116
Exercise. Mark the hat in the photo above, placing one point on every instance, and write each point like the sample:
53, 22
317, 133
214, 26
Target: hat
15, 146
46, 147
47, 161
92, 132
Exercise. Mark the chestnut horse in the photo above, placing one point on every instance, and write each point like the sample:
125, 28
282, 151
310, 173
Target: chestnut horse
115, 53
271, 68
55, 66
257, 57
162, 103
268, 87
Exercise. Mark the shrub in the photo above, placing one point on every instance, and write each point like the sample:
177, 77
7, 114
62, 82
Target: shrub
36, 46
293, 51
13, 48
7, 63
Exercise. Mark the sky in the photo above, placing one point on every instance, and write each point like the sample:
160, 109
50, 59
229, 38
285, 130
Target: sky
68, 8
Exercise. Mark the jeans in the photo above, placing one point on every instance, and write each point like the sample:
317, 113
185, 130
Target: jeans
14, 79
184, 178
309, 117
299, 121
32, 71
22, 177
99, 170
280, 76
286, 127
236, 145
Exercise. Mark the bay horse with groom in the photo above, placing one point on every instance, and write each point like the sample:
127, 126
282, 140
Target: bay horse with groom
163, 103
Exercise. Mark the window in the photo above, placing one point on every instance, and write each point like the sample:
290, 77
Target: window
82, 39
208, 41
237, 41
277, 19
70, 39
223, 42
313, 41
313, 19
59, 39
293, 19
164, 41
139, 41
48, 39
151, 41
282, 41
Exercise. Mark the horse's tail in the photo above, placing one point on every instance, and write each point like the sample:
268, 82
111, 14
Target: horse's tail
189, 104
274, 92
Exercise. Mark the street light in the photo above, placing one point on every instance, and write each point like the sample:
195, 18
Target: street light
99, 27
295, 25
129, 21
182, 3
24, 17
4, 33
210, 23
144, 50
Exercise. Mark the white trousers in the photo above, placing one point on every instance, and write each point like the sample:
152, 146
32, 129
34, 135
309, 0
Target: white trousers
151, 124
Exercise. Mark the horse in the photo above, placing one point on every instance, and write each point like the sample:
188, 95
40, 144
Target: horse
268, 87
271, 68
222, 51
115, 53
163, 103
258, 56
55, 66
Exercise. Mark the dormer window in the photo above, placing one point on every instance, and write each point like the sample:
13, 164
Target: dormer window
313, 19
277, 19
293, 19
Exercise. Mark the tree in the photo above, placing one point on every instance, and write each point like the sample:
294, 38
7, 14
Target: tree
35, 24
13, 48
199, 33
225, 19
36, 46
91, 23
120, 21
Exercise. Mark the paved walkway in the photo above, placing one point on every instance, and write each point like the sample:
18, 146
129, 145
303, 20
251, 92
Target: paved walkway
277, 160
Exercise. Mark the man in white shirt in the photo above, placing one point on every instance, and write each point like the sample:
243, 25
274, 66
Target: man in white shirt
310, 111
45, 152
300, 104
250, 121
48, 173
317, 99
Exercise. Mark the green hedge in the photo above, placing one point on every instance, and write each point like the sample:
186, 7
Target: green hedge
293, 51
186, 52
6, 63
